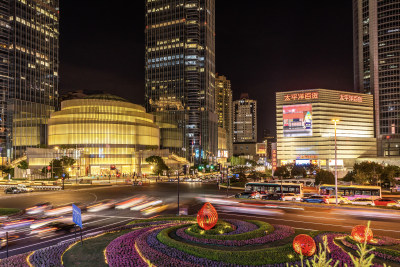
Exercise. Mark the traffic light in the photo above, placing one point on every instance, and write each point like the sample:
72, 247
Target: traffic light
212, 167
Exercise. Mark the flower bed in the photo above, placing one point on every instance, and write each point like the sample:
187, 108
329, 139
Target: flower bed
262, 229
383, 253
273, 255
17, 260
122, 252
281, 232
241, 226
50, 256
336, 252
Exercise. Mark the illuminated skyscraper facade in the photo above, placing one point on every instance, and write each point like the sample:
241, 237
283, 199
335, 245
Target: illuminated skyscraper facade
245, 120
29, 72
223, 95
377, 66
180, 74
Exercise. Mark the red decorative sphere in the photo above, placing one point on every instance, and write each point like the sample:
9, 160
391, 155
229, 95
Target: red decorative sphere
207, 217
304, 245
360, 233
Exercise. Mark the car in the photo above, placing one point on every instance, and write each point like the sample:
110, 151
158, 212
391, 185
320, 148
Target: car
12, 190
272, 197
38, 208
24, 189
387, 202
341, 200
315, 199
363, 201
290, 197
244, 195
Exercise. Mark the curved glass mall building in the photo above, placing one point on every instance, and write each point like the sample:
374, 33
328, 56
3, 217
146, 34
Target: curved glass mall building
106, 129
306, 132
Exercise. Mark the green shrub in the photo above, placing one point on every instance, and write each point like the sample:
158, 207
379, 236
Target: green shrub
272, 255
261, 231
220, 228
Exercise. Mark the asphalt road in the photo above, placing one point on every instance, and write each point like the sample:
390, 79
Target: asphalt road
322, 217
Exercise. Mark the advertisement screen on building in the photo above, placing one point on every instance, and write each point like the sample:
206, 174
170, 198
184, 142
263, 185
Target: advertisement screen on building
297, 120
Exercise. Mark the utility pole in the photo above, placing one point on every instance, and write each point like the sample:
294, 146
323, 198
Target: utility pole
178, 191
336, 179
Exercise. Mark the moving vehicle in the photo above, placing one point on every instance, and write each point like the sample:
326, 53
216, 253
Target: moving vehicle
12, 190
341, 200
271, 188
244, 195
315, 199
38, 208
386, 202
352, 192
272, 197
24, 189
290, 197
363, 201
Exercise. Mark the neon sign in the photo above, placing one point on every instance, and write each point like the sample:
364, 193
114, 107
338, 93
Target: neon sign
301, 96
351, 98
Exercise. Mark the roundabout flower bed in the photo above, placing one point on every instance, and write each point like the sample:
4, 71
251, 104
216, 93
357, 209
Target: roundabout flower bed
166, 242
280, 232
262, 229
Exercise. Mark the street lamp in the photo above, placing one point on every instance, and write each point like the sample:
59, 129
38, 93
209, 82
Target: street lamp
336, 189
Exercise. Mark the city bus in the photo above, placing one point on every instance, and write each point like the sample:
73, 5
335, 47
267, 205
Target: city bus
271, 188
352, 192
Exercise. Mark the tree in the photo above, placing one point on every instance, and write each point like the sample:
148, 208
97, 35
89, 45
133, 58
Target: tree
158, 164
298, 171
56, 168
282, 172
23, 165
7, 169
324, 177
367, 172
389, 173
349, 177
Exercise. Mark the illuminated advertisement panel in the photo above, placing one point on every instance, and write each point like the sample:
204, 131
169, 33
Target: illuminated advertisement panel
297, 120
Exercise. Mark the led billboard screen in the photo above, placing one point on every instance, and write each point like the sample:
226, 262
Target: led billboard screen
297, 120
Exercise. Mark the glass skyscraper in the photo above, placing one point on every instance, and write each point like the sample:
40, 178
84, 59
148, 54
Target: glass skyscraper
180, 74
377, 66
29, 72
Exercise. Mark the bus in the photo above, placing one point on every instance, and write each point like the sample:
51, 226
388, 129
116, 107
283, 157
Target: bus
271, 188
352, 192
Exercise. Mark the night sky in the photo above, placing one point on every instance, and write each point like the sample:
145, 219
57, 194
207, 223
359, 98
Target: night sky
283, 45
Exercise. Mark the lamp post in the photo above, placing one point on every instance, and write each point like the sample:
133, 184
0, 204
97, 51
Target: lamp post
336, 189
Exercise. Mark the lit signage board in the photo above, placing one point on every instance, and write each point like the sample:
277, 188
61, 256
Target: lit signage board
297, 120
301, 96
302, 162
261, 149
351, 98
222, 153
332, 162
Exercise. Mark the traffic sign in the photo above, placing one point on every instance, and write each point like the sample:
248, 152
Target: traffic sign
63, 175
77, 215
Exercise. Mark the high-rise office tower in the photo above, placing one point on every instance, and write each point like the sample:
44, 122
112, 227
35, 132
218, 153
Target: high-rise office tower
180, 74
29, 72
244, 120
376, 33
223, 94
